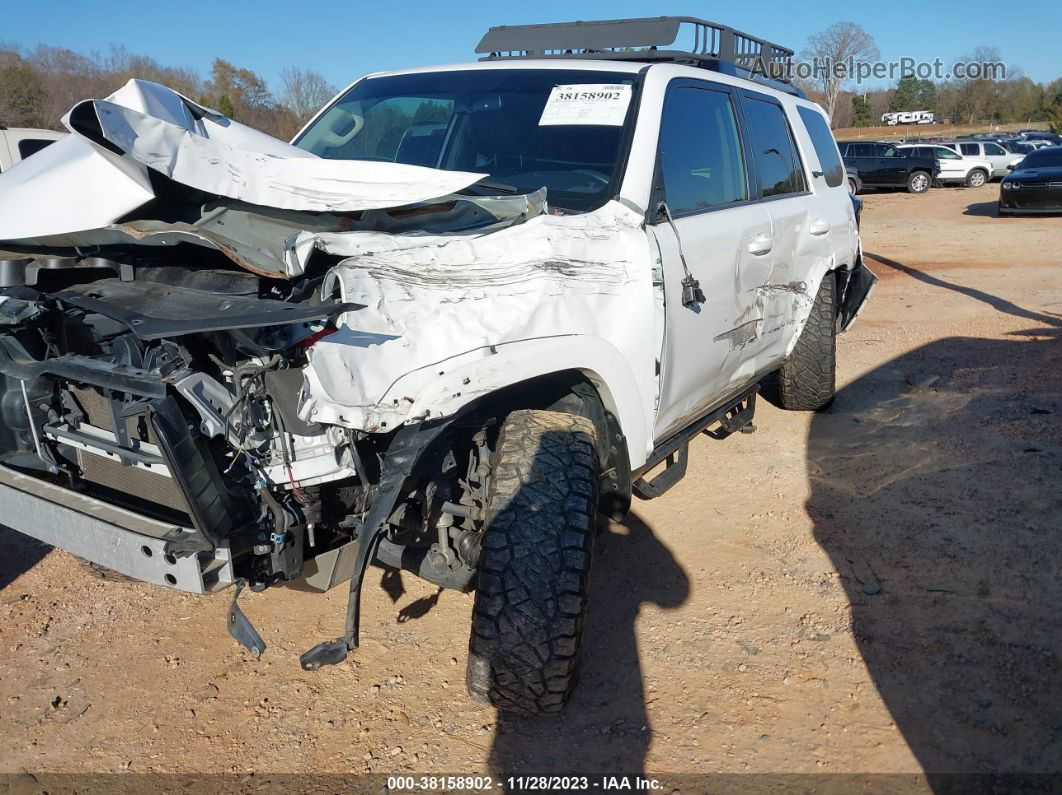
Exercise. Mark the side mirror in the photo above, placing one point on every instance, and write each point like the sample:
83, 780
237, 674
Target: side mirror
1010, 166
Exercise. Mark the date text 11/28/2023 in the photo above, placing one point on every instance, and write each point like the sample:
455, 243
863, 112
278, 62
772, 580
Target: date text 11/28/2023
474, 784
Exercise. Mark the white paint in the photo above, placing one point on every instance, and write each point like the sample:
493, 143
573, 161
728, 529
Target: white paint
437, 305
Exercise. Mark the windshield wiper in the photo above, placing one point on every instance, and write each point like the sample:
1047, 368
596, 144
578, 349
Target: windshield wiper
490, 185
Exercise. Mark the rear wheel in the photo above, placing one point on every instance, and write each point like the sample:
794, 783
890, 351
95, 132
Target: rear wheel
976, 178
853, 186
806, 382
534, 570
918, 182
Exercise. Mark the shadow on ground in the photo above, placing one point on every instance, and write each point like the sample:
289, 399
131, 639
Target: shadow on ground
936, 492
20, 554
983, 209
605, 728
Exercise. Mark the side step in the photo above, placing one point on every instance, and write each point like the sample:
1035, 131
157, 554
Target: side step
734, 415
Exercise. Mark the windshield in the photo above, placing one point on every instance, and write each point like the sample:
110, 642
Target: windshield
490, 121
1043, 158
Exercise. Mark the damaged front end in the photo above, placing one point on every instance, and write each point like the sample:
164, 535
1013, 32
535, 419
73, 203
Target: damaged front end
169, 391
228, 361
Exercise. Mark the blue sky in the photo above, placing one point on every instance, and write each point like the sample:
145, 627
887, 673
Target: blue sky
344, 40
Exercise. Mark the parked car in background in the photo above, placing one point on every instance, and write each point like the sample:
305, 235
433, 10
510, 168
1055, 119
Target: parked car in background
883, 165
18, 143
954, 168
1019, 147
1035, 185
991, 151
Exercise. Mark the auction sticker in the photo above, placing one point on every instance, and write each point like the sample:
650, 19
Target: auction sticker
587, 103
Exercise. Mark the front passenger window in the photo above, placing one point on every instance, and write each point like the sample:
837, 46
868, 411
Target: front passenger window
701, 159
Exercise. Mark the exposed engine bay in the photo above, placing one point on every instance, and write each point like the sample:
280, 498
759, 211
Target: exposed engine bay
172, 391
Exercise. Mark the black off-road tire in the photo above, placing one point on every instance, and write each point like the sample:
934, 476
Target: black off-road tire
807, 380
534, 570
919, 182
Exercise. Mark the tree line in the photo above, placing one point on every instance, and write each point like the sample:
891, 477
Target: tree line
37, 87
986, 100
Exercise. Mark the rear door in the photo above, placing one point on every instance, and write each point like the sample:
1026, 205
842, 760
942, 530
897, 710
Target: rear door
862, 157
805, 227
892, 164
718, 235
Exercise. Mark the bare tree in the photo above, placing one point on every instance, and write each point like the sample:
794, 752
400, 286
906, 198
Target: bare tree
833, 51
303, 91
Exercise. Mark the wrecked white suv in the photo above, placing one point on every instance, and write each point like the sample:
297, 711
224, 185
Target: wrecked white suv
470, 311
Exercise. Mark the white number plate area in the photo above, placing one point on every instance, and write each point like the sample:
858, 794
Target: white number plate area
591, 103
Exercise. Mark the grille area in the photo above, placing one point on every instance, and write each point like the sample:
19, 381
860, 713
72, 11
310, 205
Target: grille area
137, 483
133, 481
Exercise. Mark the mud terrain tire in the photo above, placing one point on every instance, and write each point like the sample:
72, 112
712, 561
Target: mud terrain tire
534, 570
806, 382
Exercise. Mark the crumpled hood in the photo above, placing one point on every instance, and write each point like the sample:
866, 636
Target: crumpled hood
100, 173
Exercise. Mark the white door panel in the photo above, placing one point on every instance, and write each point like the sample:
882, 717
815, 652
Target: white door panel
704, 345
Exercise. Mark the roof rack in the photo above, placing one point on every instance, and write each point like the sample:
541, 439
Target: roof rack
714, 46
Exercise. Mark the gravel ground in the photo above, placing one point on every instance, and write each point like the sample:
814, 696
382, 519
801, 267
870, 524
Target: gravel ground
870, 589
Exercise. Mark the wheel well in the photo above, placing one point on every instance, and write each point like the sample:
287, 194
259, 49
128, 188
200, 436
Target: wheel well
574, 392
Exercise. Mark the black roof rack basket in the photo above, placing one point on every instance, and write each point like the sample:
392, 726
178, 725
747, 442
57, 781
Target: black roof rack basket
646, 39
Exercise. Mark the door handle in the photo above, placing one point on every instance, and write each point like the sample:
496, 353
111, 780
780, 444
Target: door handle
819, 227
761, 244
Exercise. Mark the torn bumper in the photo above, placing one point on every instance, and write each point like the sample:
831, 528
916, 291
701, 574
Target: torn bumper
855, 287
121, 540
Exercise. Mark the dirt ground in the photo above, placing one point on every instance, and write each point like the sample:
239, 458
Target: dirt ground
871, 589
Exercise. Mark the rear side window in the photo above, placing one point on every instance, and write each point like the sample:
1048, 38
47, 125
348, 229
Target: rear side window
778, 166
701, 158
861, 150
30, 146
825, 146
970, 149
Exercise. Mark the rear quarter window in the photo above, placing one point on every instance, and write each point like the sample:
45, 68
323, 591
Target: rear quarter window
31, 146
825, 146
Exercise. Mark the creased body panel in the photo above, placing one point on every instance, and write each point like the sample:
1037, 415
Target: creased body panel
435, 303
83, 183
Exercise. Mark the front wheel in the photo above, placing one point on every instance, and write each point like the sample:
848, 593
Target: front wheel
807, 380
918, 182
976, 178
534, 570
853, 186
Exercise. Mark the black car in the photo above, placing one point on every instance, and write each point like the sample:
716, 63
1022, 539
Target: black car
882, 165
1035, 184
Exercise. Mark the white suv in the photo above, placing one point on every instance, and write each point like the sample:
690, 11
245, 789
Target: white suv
995, 154
954, 168
471, 310
18, 143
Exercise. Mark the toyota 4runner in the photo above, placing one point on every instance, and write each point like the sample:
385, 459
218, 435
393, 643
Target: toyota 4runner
470, 311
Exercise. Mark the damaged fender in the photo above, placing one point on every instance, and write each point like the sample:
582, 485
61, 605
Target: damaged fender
436, 305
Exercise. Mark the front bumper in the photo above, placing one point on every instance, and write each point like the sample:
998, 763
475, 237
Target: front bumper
121, 540
1031, 200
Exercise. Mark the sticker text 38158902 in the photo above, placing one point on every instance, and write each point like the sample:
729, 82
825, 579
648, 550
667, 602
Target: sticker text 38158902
590, 103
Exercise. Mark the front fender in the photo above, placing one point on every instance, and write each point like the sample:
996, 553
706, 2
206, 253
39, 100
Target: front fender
629, 399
